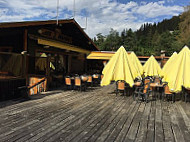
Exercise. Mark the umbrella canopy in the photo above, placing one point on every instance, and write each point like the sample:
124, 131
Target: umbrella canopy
119, 67
14, 65
41, 63
179, 73
168, 64
136, 63
151, 67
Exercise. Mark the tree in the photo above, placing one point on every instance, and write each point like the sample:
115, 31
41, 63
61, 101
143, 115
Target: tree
100, 40
184, 27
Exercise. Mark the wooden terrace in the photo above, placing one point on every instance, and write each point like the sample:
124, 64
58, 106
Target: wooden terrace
95, 115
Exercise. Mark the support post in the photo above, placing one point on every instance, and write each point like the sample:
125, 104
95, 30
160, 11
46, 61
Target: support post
48, 71
25, 40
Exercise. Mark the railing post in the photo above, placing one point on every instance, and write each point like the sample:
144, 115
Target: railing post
48, 71
25, 66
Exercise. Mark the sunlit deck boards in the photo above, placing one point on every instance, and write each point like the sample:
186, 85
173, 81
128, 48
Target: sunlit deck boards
96, 115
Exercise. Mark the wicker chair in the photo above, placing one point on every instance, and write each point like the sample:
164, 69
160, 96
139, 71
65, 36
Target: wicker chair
80, 84
144, 92
89, 81
68, 82
120, 87
166, 92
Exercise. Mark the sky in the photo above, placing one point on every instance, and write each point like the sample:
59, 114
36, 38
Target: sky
101, 15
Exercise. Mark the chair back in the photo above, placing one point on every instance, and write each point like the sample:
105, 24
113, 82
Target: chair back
89, 78
146, 87
102, 76
146, 81
77, 81
68, 81
121, 85
167, 90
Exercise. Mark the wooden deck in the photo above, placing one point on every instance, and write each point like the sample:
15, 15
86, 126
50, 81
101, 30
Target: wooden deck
95, 115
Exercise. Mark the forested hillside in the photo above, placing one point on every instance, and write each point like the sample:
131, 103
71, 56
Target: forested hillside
169, 35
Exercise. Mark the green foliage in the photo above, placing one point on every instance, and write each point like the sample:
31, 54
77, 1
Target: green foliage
184, 27
169, 35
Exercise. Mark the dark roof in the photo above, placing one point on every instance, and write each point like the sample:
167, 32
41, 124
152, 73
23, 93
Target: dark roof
66, 22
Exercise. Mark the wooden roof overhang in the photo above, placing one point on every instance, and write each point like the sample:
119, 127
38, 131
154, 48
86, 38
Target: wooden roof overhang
106, 55
81, 42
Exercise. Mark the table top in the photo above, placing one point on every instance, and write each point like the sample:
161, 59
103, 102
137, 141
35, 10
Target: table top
137, 83
156, 85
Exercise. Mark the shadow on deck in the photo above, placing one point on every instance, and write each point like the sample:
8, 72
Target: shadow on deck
96, 115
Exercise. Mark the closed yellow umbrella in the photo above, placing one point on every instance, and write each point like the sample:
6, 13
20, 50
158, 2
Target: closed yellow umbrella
41, 63
168, 64
151, 67
179, 74
119, 67
14, 64
137, 64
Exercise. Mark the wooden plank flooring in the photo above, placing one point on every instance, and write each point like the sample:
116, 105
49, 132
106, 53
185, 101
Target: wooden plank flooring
95, 115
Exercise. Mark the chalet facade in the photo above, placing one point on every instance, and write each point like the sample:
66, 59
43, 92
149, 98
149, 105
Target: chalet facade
50, 50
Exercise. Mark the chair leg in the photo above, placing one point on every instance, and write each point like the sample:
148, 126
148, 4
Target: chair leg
125, 92
162, 96
134, 96
185, 97
173, 98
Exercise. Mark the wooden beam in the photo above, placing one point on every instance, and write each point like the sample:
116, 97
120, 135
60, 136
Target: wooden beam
33, 23
56, 52
61, 45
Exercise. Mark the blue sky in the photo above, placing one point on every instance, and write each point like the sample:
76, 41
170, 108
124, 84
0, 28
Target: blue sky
101, 14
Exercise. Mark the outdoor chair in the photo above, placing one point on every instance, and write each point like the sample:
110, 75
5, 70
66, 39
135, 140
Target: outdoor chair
144, 92
89, 81
158, 89
166, 92
137, 86
185, 93
79, 84
68, 83
102, 76
120, 87
96, 79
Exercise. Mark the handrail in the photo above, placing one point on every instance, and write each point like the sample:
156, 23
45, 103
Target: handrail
42, 80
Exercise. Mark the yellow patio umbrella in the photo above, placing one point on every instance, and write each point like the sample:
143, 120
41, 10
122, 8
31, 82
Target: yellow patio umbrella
136, 63
119, 67
41, 63
14, 65
179, 73
151, 67
168, 64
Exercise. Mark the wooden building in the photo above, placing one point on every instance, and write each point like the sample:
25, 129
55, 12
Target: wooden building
49, 49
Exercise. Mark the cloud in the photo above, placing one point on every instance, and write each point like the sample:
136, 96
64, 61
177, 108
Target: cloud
155, 9
102, 14
170, 1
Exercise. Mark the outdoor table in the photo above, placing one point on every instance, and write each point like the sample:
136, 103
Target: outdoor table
156, 87
137, 84
84, 78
